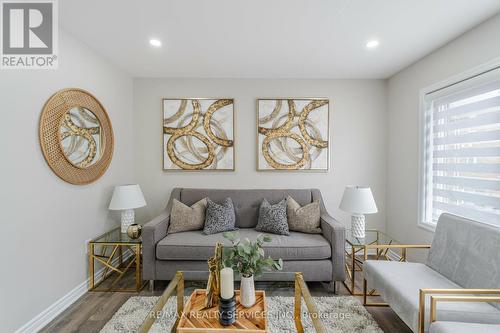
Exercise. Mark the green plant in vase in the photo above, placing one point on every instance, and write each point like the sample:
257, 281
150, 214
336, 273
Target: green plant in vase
247, 258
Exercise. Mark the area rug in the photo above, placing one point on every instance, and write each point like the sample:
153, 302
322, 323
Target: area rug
341, 314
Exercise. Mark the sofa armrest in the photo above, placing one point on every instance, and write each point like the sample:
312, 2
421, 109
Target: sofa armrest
334, 232
152, 232
435, 299
460, 291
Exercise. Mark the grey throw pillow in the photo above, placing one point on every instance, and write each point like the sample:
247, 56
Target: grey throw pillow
304, 219
185, 218
219, 217
272, 218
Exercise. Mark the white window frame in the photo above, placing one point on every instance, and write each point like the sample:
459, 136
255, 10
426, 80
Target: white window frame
422, 174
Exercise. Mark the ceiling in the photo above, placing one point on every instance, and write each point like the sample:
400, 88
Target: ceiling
269, 38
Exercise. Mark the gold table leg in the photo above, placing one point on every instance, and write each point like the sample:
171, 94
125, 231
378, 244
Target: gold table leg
303, 291
297, 305
176, 283
91, 265
107, 262
138, 275
353, 269
352, 266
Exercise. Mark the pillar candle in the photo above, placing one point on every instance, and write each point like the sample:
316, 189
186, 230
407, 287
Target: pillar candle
226, 283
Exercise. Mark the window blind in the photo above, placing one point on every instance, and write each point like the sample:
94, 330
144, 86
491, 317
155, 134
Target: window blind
462, 150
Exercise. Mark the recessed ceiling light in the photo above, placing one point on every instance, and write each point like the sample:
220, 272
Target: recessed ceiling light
372, 44
155, 42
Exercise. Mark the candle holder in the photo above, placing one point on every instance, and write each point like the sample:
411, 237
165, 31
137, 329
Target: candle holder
227, 311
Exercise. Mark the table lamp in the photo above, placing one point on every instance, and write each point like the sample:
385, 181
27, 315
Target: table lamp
126, 198
358, 200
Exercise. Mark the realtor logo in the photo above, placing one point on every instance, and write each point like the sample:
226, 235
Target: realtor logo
29, 34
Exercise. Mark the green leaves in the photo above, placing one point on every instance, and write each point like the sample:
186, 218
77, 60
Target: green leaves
278, 265
267, 238
231, 235
248, 258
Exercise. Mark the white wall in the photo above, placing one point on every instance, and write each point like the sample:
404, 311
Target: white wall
357, 127
474, 48
45, 221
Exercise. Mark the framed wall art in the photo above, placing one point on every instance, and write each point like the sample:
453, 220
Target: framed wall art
293, 134
198, 134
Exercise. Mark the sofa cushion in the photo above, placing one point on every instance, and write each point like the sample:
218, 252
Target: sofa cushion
304, 219
185, 218
219, 217
272, 218
246, 202
193, 245
456, 327
399, 283
465, 252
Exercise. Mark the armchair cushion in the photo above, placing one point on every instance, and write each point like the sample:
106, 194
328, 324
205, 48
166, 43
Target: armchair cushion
457, 327
399, 284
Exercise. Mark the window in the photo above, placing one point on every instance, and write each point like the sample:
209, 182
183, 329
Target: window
460, 155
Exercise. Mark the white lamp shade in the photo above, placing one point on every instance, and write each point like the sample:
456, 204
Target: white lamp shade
127, 197
358, 200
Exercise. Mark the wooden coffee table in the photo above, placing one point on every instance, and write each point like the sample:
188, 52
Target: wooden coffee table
196, 319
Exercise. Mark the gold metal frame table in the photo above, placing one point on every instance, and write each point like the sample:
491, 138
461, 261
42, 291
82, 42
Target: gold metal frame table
177, 285
354, 248
118, 253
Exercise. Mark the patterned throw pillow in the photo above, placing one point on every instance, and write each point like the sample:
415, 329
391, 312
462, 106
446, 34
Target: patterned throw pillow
272, 218
219, 217
185, 218
304, 219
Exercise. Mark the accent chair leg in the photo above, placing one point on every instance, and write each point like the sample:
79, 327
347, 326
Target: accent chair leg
151, 285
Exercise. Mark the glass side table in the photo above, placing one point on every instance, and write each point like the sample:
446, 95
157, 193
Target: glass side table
354, 251
117, 253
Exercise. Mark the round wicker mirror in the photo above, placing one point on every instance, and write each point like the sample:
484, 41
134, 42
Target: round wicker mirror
76, 136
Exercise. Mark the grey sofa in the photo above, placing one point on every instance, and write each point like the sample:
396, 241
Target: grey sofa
463, 256
320, 257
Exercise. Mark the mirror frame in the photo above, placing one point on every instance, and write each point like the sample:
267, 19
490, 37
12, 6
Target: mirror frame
49, 132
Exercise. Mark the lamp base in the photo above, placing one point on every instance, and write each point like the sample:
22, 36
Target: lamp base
358, 225
127, 219
227, 311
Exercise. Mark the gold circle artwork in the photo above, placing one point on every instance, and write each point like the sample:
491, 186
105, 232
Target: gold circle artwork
76, 136
293, 134
198, 134
81, 137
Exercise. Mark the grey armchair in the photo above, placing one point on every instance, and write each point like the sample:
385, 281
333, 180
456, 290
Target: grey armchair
463, 259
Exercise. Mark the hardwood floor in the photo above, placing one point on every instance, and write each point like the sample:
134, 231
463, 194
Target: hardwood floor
91, 312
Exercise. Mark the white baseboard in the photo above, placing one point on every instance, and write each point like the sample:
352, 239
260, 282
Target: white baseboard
47, 315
